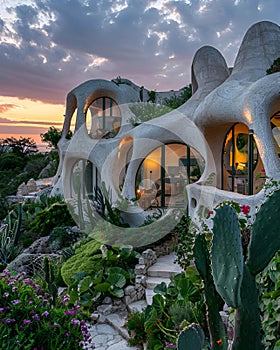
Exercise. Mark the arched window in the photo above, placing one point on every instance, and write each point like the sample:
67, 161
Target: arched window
105, 119
85, 178
164, 173
241, 162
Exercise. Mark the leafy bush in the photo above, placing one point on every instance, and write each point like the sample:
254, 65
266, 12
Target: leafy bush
96, 271
64, 236
87, 259
47, 219
146, 111
173, 307
269, 286
28, 321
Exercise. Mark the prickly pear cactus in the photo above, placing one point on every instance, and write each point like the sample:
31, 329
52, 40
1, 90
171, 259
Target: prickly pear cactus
265, 238
227, 256
234, 276
191, 338
213, 300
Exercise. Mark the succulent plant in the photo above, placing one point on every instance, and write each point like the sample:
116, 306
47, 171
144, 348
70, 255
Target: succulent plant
191, 338
234, 275
213, 300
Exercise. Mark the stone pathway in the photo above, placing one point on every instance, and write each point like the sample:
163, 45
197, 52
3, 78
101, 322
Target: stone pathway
110, 333
105, 337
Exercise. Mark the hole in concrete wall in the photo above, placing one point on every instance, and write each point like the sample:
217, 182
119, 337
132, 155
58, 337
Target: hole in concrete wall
193, 203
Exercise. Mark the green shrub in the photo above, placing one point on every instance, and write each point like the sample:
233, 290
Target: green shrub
269, 285
47, 219
173, 307
87, 260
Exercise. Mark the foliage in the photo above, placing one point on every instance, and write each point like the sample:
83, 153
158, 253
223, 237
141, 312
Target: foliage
91, 275
64, 236
269, 285
173, 307
53, 135
87, 259
9, 236
185, 233
136, 328
145, 111
47, 219
275, 67
27, 318
24, 146
152, 96
236, 262
176, 101
11, 161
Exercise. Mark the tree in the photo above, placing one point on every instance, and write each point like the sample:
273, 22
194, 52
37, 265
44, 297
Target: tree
53, 135
24, 146
275, 67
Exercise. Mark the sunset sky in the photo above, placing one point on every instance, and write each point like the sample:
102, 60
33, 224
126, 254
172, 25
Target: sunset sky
47, 47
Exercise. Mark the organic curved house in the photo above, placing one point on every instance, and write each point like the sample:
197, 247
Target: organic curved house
221, 143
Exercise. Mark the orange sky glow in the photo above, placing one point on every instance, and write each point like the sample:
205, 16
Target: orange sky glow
27, 118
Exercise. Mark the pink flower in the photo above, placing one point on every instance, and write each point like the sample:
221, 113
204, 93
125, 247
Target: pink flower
245, 209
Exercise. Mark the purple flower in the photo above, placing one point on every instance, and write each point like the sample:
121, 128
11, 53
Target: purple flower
15, 302
5, 295
66, 334
70, 312
1, 309
55, 325
75, 321
10, 320
36, 317
26, 321
45, 313
14, 289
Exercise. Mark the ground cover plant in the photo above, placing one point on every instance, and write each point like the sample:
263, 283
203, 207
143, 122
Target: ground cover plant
29, 319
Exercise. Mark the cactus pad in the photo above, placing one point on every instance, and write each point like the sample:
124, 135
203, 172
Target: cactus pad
227, 257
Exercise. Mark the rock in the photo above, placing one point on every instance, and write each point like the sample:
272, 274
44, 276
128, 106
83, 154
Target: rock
107, 300
30, 263
40, 246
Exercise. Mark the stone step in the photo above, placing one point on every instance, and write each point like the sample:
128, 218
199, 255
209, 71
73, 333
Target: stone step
138, 306
151, 282
149, 293
165, 267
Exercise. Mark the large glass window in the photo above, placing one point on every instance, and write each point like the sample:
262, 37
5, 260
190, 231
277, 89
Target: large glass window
165, 172
105, 120
85, 179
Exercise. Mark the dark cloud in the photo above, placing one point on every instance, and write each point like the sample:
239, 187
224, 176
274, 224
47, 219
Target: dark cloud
55, 45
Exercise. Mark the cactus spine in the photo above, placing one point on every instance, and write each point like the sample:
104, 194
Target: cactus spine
234, 276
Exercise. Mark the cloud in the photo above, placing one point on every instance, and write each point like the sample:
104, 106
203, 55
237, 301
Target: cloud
50, 46
34, 123
4, 107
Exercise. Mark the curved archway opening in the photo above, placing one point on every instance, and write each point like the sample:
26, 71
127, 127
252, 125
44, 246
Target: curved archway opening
242, 167
164, 174
105, 118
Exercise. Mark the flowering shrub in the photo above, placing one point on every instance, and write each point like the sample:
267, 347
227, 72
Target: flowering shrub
28, 321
